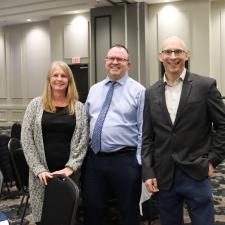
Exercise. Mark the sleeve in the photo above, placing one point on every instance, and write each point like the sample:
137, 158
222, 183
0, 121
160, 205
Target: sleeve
216, 111
147, 141
140, 123
79, 142
27, 139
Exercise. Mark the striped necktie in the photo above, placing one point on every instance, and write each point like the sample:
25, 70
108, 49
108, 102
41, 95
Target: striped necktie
97, 132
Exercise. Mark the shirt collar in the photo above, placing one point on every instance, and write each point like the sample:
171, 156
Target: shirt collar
180, 78
121, 81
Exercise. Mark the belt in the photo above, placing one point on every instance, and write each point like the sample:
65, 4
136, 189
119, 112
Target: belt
127, 149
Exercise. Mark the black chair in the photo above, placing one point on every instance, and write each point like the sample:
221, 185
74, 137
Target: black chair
150, 209
1, 182
13, 144
60, 202
15, 131
21, 173
5, 163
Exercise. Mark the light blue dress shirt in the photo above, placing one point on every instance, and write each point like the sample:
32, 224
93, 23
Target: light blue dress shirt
123, 123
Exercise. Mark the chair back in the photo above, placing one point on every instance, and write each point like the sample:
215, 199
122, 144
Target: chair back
5, 163
60, 202
20, 167
13, 144
21, 170
15, 131
1, 182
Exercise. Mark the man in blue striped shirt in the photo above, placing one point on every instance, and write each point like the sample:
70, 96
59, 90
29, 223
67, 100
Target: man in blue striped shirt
114, 166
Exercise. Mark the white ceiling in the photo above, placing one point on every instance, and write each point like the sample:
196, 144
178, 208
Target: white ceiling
17, 11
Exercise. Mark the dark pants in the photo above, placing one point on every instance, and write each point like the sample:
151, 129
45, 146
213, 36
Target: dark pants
117, 173
195, 194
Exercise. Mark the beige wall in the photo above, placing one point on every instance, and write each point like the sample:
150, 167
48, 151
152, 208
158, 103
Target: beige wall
57, 26
26, 51
24, 60
217, 41
193, 14
124, 24
2, 65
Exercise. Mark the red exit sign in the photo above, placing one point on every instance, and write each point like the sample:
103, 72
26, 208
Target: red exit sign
75, 60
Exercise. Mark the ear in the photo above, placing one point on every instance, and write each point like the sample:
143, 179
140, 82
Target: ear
187, 56
161, 57
129, 64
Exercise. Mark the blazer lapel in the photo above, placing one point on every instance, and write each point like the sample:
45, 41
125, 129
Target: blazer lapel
162, 100
186, 89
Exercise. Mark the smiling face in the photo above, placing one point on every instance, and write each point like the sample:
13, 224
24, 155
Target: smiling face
117, 63
173, 56
59, 80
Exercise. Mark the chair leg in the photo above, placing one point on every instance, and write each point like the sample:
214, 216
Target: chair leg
21, 203
24, 210
7, 186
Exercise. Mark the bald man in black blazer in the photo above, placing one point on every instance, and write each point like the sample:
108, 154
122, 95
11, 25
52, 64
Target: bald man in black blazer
183, 138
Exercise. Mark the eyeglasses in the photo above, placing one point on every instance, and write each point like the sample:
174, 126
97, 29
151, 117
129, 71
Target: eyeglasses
119, 60
176, 52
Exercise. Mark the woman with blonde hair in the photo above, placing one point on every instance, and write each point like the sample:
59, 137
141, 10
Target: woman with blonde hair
54, 133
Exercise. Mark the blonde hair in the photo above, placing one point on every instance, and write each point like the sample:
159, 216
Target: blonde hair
71, 92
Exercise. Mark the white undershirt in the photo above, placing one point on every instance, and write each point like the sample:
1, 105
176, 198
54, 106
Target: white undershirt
172, 94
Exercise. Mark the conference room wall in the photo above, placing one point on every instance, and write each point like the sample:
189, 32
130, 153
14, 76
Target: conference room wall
125, 24
24, 60
189, 20
26, 51
2, 63
205, 37
217, 43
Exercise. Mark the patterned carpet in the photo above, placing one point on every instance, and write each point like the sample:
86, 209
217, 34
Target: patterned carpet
9, 204
218, 181
10, 201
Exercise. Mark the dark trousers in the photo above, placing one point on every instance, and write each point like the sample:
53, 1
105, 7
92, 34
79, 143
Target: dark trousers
117, 173
195, 194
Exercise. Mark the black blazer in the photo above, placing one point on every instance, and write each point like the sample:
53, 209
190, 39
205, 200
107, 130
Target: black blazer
196, 137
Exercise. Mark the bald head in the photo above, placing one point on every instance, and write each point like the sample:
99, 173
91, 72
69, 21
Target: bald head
174, 39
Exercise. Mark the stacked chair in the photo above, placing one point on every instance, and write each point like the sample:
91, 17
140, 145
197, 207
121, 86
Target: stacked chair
15, 131
5, 163
1, 182
5, 159
21, 171
14, 168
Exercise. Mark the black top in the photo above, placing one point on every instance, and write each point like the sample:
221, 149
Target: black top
57, 129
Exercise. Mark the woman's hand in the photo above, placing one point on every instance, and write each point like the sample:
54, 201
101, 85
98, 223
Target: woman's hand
67, 171
44, 176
